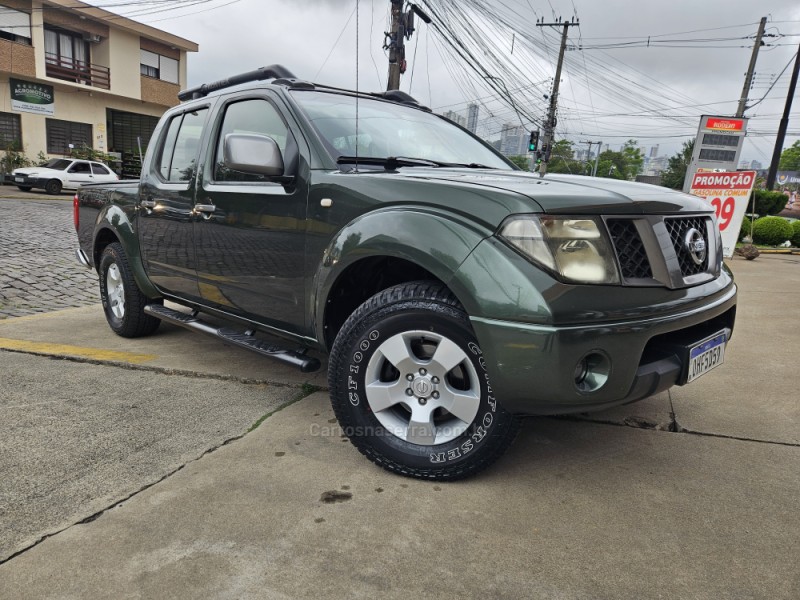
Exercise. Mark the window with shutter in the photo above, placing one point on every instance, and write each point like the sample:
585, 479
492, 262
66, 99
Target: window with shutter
60, 134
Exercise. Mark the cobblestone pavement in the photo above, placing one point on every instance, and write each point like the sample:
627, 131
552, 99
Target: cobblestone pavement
38, 269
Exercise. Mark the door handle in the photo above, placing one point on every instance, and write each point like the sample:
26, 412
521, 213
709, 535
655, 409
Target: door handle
206, 210
148, 203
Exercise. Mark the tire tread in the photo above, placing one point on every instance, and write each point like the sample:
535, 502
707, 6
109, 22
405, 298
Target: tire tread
426, 292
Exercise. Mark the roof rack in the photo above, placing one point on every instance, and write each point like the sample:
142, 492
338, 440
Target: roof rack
270, 72
282, 76
400, 97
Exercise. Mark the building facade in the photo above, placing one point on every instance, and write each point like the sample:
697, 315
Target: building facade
75, 75
513, 140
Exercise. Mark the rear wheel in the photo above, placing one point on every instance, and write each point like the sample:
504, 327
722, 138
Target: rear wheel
53, 187
410, 389
123, 302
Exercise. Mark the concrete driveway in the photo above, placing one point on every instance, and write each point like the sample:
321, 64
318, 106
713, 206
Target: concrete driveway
128, 471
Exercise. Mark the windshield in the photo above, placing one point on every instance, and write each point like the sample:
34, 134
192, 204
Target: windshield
59, 164
386, 129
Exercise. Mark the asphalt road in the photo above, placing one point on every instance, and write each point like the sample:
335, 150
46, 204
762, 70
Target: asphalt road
132, 469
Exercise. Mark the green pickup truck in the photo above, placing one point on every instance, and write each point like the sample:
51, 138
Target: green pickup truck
452, 292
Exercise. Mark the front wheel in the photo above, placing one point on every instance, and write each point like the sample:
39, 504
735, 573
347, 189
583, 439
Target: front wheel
123, 302
410, 389
53, 187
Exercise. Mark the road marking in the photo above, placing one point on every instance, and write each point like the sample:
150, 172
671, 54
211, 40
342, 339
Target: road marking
45, 315
67, 350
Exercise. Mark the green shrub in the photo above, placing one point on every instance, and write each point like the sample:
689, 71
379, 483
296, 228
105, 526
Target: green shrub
771, 231
767, 203
796, 234
745, 230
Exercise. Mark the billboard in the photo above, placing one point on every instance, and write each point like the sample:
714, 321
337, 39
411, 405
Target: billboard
32, 97
717, 146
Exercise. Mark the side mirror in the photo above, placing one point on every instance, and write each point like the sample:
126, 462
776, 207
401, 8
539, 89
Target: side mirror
252, 153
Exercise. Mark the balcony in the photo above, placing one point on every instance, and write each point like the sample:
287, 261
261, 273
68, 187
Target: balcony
77, 71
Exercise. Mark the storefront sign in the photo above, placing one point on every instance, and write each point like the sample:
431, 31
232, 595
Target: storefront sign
32, 97
728, 193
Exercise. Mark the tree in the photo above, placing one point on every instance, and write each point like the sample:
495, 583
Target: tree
523, 162
623, 164
562, 159
675, 173
790, 158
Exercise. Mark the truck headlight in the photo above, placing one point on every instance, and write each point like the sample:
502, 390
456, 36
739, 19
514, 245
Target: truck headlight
574, 248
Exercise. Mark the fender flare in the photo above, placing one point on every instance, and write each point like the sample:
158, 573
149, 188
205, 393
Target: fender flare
116, 220
435, 240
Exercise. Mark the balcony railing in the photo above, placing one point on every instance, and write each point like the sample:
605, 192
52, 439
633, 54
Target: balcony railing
78, 71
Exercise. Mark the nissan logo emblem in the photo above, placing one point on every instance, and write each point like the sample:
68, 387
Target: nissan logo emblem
696, 245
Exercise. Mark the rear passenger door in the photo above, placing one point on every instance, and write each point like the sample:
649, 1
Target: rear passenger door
166, 204
251, 241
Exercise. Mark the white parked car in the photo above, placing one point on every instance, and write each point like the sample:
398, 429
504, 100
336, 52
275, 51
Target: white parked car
62, 174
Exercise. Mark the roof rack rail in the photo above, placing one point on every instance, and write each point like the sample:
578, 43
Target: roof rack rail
400, 97
270, 72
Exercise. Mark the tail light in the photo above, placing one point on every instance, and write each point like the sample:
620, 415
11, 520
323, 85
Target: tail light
76, 215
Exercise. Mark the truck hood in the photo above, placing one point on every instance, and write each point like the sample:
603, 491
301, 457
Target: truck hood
570, 194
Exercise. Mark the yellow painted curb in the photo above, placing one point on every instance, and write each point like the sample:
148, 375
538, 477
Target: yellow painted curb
67, 350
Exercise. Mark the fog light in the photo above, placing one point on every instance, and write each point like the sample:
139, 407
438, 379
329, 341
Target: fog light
592, 371
581, 370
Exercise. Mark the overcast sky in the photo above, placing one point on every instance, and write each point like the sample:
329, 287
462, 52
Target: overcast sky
236, 36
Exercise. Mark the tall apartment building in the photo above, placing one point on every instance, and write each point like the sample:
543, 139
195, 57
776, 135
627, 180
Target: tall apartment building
472, 117
513, 140
78, 75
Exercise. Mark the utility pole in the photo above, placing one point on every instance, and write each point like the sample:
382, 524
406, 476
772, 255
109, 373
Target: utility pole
395, 43
597, 158
748, 79
395, 40
776, 155
599, 145
550, 123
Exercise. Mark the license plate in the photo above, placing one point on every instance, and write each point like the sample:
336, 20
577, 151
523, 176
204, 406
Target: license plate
706, 356
19, 179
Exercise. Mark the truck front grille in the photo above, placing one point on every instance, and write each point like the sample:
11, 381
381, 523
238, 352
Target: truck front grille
677, 229
633, 261
652, 250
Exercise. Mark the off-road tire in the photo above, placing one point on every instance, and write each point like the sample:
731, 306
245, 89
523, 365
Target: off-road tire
415, 309
53, 187
132, 322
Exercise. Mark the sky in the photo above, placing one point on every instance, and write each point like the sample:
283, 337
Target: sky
613, 87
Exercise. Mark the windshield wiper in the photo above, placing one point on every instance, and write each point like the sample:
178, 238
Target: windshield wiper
468, 165
390, 163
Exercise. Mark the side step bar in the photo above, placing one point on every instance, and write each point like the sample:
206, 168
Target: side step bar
307, 364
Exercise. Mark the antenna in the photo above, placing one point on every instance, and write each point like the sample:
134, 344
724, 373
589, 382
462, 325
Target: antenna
141, 158
357, 5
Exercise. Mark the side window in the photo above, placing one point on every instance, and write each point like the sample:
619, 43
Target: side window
248, 116
178, 161
99, 169
80, 167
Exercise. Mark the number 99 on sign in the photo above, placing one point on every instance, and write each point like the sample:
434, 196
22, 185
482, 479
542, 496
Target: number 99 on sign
724, 209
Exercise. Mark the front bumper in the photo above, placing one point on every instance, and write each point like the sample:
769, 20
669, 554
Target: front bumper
533, 367
25, 181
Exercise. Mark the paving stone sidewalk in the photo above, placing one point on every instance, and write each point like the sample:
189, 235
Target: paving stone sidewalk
38, 270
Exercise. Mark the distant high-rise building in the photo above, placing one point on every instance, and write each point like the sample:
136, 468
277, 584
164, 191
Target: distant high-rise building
756, 165
454, 116
513, 140
472, 117
653, 151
